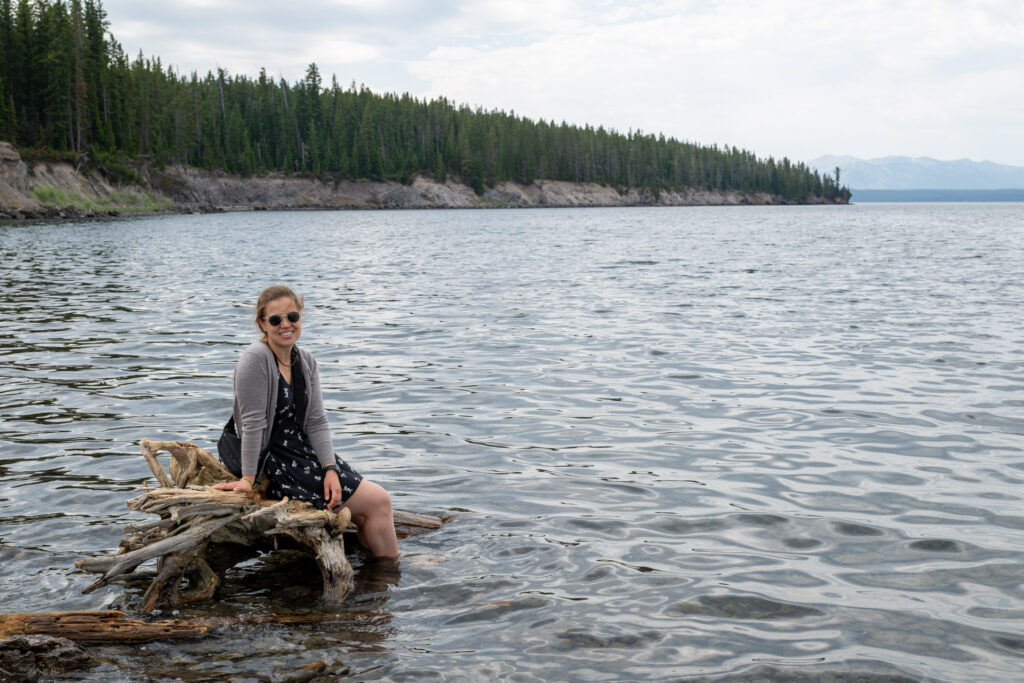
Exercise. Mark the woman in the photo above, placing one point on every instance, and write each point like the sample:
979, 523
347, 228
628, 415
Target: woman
279, 406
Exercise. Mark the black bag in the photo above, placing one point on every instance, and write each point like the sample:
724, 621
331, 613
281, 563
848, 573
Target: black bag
229, 448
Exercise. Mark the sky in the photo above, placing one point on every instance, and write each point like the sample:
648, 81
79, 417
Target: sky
793, 78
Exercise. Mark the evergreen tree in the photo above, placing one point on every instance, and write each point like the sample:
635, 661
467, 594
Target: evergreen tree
21, 60
6, 55
440, 172
370, 158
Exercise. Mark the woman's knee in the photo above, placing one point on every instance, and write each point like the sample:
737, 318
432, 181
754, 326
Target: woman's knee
370, 499
381, 501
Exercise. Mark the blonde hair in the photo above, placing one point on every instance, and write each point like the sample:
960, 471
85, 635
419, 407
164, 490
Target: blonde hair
272, 294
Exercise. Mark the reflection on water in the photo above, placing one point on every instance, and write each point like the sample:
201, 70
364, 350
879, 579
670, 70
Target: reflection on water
724, 442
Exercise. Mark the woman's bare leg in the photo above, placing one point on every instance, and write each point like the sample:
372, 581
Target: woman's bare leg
371, 511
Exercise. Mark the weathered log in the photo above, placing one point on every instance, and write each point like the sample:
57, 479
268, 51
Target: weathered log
202, 531
190, 464
115, 627
411, 524
206, 517
104, 626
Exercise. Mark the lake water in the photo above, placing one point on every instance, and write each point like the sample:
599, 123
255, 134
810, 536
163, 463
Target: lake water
708, 443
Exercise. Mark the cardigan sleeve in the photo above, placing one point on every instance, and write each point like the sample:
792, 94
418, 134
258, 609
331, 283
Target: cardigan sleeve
250, 382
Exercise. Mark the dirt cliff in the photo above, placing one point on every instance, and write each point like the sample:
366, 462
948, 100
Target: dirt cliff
196, 188
14, 191
58, 189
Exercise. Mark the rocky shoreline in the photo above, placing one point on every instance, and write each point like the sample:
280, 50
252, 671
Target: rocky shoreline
68, 193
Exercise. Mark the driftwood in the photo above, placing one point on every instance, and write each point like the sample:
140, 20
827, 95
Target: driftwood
115, 627
102, 626
202, 532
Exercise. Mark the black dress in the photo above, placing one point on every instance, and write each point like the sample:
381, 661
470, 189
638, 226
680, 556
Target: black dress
292, 465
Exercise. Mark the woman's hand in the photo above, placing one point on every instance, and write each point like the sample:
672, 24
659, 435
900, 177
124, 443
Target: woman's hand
332, 489
244, 485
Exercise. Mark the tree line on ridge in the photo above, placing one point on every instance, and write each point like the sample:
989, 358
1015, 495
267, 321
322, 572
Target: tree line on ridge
69, 90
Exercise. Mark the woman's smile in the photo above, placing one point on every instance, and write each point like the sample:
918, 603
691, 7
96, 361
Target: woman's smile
286, 333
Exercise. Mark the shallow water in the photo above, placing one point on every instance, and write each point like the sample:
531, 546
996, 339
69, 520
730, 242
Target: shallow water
674, 443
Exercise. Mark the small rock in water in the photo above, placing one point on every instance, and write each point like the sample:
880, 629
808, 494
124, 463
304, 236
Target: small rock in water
32, 657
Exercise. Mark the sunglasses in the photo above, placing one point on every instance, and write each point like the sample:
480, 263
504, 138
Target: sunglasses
276, 320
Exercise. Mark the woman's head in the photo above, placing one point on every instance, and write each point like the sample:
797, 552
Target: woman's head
283, 298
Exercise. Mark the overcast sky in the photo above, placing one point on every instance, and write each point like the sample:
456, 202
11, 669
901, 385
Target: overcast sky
796, 78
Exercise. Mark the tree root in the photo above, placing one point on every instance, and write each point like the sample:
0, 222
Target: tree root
202, 531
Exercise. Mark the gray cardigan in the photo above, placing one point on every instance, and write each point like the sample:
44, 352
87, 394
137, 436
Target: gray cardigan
255, 381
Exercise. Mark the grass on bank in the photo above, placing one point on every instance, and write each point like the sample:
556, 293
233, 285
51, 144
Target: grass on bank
116, 200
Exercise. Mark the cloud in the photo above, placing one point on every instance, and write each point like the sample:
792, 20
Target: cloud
501, 23
740, 72
792, 77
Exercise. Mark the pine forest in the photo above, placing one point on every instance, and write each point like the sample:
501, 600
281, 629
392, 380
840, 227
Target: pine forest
68, 90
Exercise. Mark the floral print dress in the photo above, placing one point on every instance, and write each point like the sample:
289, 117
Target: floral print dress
292, 465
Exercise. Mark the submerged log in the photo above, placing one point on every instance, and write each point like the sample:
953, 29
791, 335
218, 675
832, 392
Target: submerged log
102, 626
113, 627
202, 532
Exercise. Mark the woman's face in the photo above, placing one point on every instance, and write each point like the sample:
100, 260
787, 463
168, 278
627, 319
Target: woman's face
287, 333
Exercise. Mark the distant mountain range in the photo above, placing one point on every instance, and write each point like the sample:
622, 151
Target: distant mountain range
921, 173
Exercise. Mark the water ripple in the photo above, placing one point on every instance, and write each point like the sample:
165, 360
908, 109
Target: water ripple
726, 444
